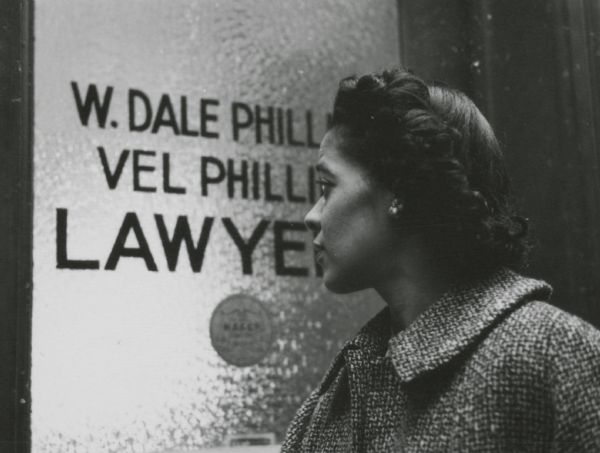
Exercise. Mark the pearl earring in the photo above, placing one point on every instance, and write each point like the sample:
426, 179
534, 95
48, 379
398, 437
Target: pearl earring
395, 208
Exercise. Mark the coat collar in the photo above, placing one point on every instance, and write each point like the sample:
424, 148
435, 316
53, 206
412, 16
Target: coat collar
454, 322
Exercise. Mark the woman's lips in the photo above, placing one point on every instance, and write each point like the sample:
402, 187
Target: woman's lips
319, 251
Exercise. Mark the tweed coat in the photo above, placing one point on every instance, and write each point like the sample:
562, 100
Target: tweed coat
489, 367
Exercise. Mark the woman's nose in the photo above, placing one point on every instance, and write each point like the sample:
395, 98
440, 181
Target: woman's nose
313, 218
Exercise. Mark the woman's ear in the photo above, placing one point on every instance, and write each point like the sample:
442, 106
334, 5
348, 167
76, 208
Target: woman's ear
395, 208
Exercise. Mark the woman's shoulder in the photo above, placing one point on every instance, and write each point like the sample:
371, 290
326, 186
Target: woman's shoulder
564, 351
541, 329
546, 319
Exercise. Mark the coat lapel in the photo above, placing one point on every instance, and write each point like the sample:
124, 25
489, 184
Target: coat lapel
298, 428
458, 319
376, 402
370, 380
367, 343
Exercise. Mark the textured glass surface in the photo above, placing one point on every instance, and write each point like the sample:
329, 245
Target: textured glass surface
122, 359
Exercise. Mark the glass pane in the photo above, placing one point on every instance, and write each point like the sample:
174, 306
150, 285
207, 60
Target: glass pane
174, 144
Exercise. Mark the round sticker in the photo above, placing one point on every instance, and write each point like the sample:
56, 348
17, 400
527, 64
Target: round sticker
241, 331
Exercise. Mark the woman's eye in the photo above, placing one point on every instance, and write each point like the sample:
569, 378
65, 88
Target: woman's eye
324, 187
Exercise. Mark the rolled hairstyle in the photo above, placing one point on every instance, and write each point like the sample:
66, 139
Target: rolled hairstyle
436, 152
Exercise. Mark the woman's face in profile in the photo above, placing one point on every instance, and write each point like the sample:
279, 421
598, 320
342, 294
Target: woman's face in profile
354, 236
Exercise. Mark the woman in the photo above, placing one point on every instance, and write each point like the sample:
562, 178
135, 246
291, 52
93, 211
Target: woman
467, 356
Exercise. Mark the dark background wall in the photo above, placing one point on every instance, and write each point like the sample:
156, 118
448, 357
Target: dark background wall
532, 67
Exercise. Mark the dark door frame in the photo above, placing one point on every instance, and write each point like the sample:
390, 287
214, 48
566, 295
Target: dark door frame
16, 223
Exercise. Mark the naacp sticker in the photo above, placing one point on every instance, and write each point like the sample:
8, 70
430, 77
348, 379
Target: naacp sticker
241, 331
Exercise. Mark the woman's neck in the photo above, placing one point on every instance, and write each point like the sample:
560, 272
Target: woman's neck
417, 282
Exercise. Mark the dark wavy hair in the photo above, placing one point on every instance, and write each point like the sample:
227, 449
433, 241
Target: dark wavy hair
432, 147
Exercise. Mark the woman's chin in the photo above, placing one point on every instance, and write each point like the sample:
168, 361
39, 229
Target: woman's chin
340, 285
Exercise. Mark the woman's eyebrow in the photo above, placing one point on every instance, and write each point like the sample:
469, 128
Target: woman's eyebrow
323, 168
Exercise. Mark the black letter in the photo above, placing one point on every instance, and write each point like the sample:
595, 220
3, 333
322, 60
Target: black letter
205, 180
269, 121
148, 110
290, 129
280, 130
182, 233
255, 181
113, 178
84, 108
165, 106
167, 176
184, 119
137, 168
268, 195
236, 123
309, 131
281, 245
311, 185
245, 248
62, 261
130, 223
205, 117
289, 182
232, 178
